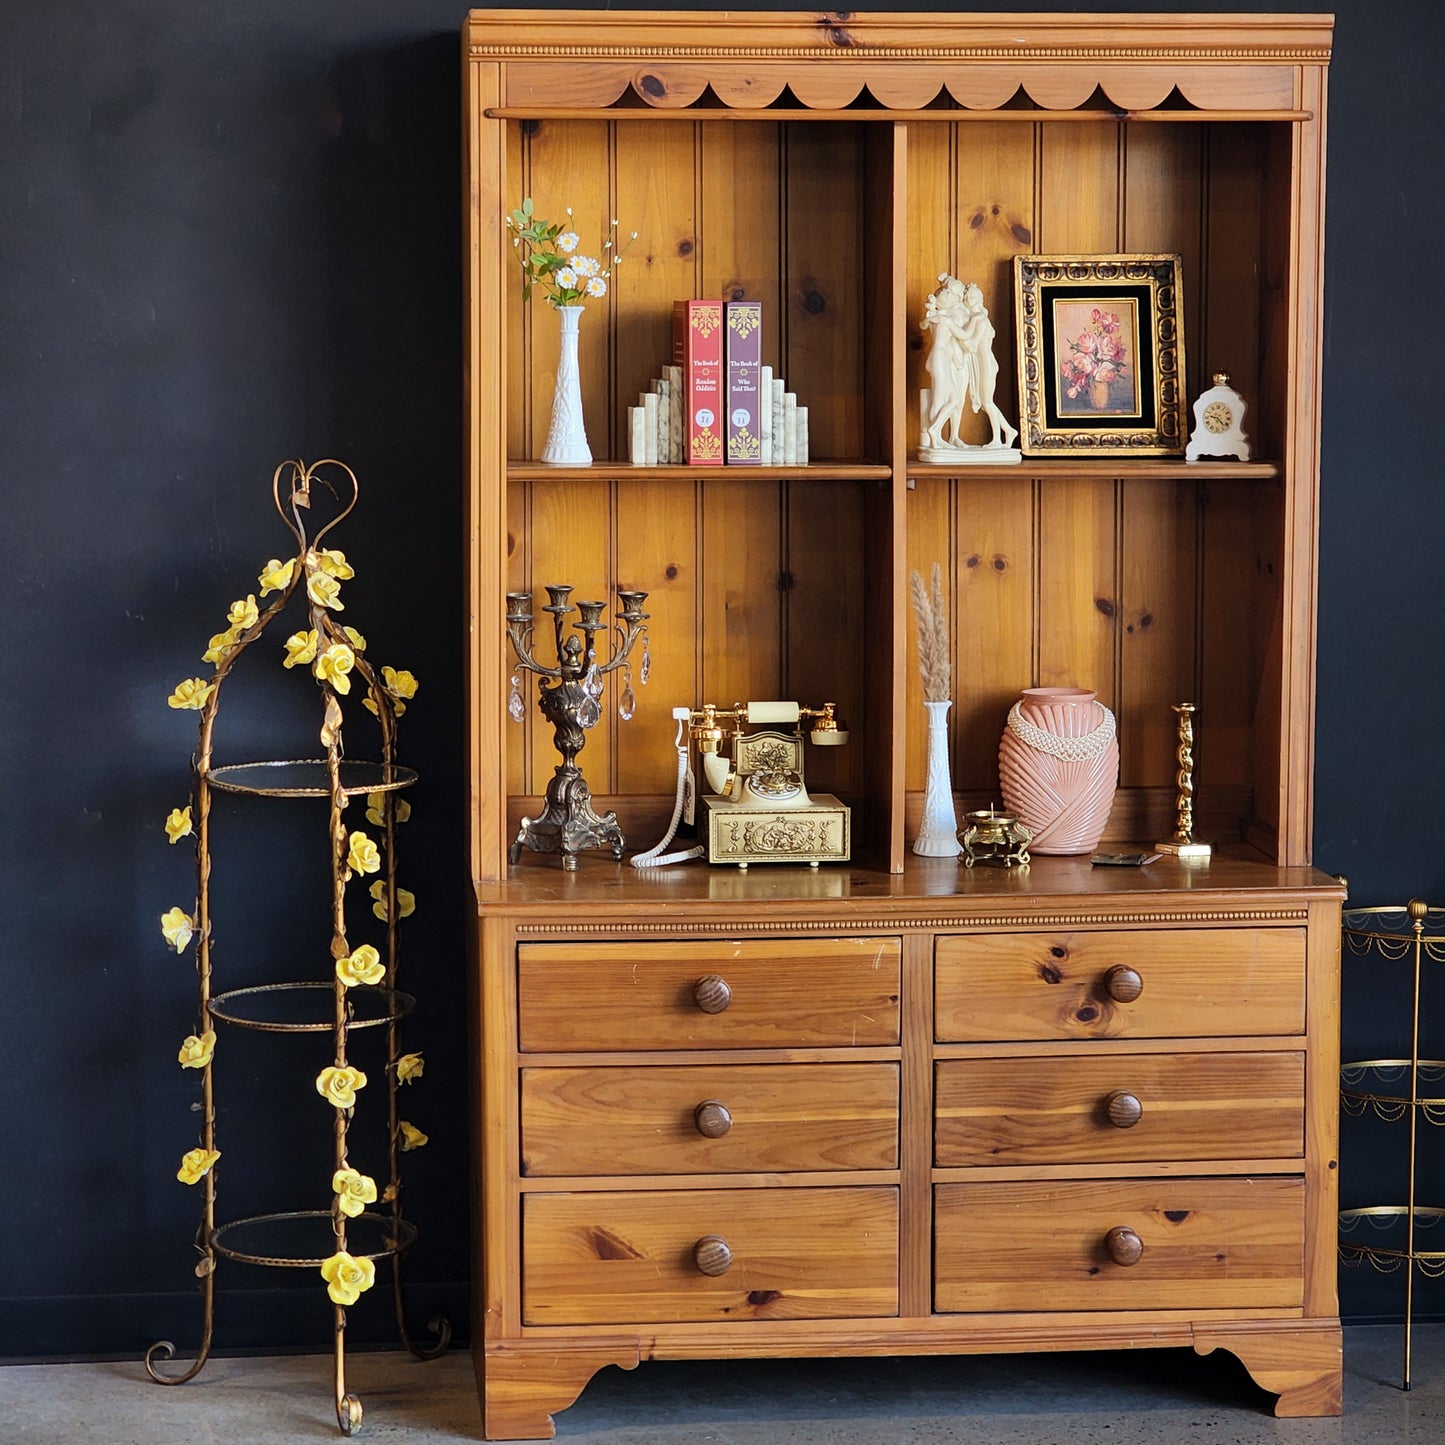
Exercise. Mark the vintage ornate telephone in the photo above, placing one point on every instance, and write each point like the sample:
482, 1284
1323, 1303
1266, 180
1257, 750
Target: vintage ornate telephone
757, 809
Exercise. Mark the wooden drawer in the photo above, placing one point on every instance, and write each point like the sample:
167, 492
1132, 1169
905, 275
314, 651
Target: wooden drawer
1201, 1244
1192, 983
1118, 1108
765, 993
709, 1119
634, 1258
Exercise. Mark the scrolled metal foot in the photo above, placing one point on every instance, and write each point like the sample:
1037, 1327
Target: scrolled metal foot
438, 1326
348, 1414
440, 1329
163, 1351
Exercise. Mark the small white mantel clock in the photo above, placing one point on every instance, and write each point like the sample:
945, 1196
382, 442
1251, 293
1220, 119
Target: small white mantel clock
1218, 423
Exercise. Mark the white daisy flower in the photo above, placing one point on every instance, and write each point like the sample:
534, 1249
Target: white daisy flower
597, 286
567, 242
585, 266
567, 278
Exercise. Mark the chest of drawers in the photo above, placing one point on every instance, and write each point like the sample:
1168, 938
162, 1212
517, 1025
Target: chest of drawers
893, 1120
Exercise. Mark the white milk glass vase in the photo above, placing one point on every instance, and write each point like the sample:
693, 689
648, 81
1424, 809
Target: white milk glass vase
938, 832
566, 435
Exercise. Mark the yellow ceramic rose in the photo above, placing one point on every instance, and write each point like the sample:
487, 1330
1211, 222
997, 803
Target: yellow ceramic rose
357, 640
409, 1067
362, 856
332, 562
334, 664
338, 1085
347, 1279
300, 647
243, 614
411, 1136
276, 575
405, 902
220, 647
402, 683
191, 692
397, 707
363, 965
375, 803
324, 591
196, 1164
197, 1050
354, 1191
177, 926
178, 824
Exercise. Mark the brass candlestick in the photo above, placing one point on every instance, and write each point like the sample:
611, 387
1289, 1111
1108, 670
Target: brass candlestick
569, 700
1181, 843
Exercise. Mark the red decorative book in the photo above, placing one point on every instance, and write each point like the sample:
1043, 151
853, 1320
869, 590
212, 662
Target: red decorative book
697, 347
743, 349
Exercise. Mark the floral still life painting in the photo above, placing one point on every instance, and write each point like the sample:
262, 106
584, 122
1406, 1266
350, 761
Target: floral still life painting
1098, 372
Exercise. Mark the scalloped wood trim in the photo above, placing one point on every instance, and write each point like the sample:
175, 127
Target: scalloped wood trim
668, 84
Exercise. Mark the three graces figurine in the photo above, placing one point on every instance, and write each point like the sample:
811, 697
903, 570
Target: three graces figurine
962, 371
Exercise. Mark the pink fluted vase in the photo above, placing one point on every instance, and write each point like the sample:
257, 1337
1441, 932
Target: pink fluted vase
1058, 766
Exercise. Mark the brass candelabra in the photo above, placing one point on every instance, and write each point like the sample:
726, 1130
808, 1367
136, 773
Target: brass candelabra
569, 697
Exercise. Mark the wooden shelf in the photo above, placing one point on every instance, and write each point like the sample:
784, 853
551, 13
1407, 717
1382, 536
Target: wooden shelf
1165, 469
1126, 468
606, 471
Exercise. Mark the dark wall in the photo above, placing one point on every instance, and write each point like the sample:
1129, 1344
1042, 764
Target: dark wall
230, 235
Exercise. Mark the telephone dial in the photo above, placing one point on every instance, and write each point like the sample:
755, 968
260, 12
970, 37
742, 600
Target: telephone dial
758, 809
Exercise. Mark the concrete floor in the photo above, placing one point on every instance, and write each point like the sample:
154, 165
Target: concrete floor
1122, 1398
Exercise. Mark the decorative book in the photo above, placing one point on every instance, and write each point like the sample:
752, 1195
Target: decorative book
743, 351
697, 347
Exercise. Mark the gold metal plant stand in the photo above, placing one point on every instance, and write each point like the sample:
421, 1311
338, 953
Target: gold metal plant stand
1391, 1089
379, 1234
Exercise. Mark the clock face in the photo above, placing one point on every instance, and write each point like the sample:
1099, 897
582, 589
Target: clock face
1218, 417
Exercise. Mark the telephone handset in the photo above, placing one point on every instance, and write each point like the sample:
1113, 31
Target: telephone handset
758, 808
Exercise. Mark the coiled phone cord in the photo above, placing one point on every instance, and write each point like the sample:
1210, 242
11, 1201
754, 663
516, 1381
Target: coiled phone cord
685, 787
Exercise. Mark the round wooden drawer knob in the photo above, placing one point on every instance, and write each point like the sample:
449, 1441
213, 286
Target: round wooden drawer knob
712, 1119
1124, 1246
711, 1255
1123, 983
1124, 1109
711, 993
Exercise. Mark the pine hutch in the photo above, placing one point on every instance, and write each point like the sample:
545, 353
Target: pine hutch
874, 1108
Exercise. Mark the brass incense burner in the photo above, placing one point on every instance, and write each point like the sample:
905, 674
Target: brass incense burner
992, 836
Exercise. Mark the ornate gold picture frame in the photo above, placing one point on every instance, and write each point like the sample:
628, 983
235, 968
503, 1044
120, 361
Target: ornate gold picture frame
1100, 355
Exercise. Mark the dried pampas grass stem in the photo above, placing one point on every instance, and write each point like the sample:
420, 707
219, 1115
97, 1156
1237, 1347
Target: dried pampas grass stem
931, 616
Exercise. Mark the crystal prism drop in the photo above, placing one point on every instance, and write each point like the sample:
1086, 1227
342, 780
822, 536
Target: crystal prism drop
593, 681
516, 708
627, 703
589, 714
646, 670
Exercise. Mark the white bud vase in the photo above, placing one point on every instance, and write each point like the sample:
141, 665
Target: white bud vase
938, 832
566, 435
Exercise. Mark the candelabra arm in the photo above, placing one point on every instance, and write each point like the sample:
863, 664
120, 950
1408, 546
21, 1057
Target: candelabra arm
521, 640
625, 643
